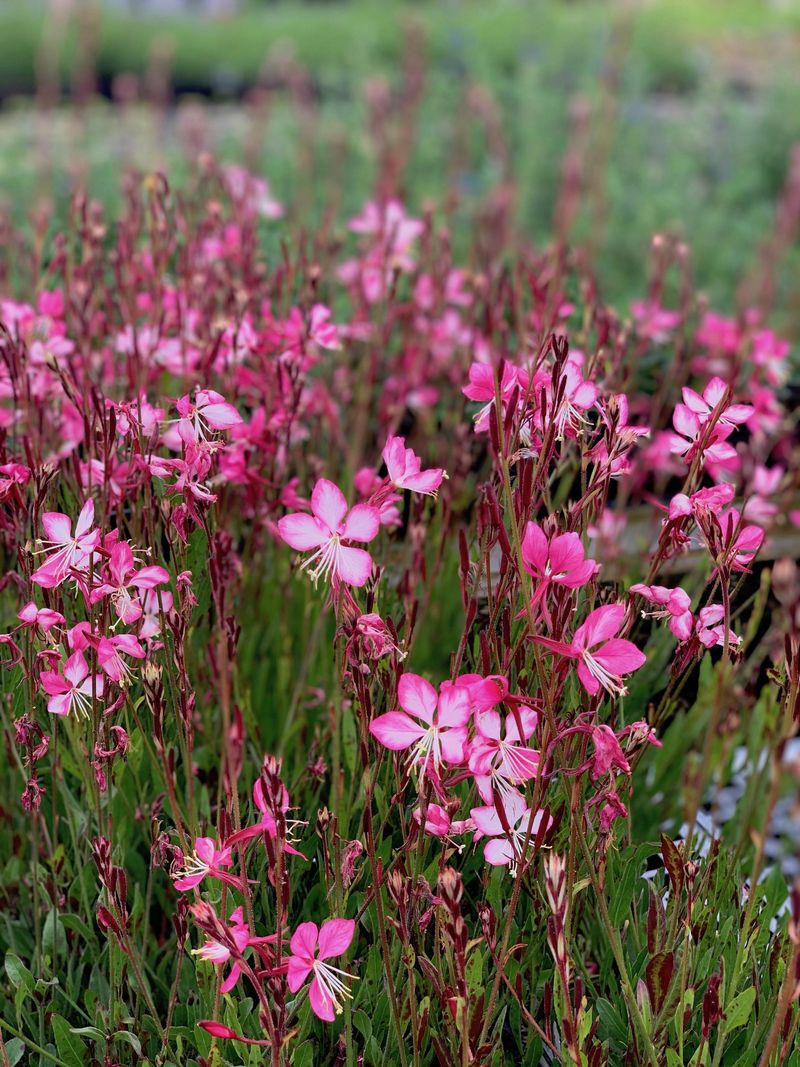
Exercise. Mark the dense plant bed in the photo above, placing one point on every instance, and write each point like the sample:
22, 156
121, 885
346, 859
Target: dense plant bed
344, 721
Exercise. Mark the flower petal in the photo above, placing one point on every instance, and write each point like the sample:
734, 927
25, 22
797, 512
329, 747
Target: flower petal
328, 504
396, 730
362, 524
335, 937
417, 696
302, 532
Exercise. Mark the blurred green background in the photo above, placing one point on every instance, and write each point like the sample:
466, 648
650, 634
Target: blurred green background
683, 113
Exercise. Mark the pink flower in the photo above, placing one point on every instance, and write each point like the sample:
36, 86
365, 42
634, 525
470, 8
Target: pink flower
266, 824
206, 859
311, 947
578, 396
404, 469
73, 691
12, 474
208, 413
743, 544
708, 628
653, 321
715, 331
216, 952
560, 560
690, 435
712, 400
66, 551
507, 822
376, 637
674, 604
110, 651
433, 727
44, 618
703, 501
603, 659
498, 756
608, 754
481, 388
325, 530
124, 576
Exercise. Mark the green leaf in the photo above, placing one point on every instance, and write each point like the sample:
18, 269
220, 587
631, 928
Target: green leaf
474, 971
132, 1040
18, 974
70, 1047
612, 1022
76, 924
54, 939
15, 1049
88, 1031
741, 1007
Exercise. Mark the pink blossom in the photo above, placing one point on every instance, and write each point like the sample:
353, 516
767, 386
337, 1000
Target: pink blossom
769, 354
559, 560
481, 388
123, 576
331, 524
73, 690
498, 756
690, 435
44, 618
375, 635
66, 551
110, 651
218, 953
653, 321
742, 541
12, 474
704, 501
507, 823
711, 630
717, 332
672, 604
404, 469
206, 859
603, 659
433, 727
608, 754
208, 412
712, 400
576, 397
310, 948
266, 824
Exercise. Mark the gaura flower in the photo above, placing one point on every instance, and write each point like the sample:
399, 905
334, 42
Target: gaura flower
326, 529
404, 470
508, 828
433, 727
44, 618
559, 560
123, 576
209, 412
710, 628
266, 824
71, 691
672, 604
66, 551
712, 399
311, 948
206, 859
215, 952
602, 658
498, 756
